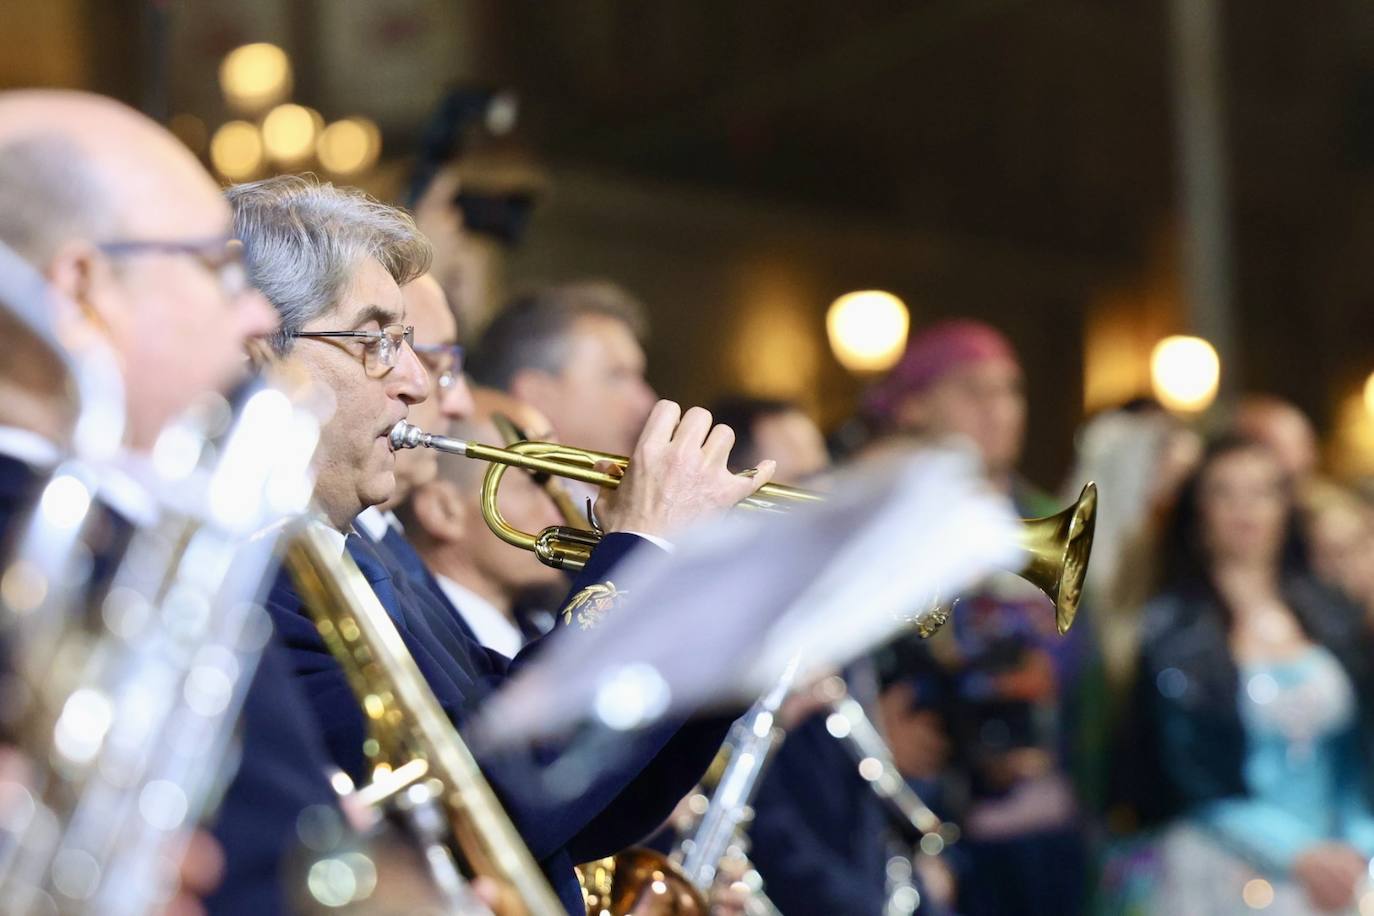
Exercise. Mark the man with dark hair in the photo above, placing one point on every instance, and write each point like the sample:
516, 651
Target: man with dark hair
574, 353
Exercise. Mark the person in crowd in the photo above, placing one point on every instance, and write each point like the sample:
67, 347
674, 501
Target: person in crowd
133, 237
1282, 427
574, 353
820, 837
1254, 708
333, 263
1339, 528
1139, 455
1023, 714
483, 577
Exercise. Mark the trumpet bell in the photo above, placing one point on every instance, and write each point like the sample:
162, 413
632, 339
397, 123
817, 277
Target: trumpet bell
1058, 547
639, 882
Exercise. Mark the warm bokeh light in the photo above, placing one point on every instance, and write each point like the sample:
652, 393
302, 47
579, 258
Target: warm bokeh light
867, 330
1185, 372
288, 133
349, 146
1369, 394
190, 130
236, 150
255, 76
1257, 893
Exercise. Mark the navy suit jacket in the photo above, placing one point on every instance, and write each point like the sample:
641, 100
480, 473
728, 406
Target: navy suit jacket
626, 798
819, 836
283, 765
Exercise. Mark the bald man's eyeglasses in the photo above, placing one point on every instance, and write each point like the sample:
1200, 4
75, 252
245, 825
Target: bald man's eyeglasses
444, 361
221, 256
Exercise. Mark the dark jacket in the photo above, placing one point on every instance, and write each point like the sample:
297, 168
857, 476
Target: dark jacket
626, 797
1184, 743
819, 836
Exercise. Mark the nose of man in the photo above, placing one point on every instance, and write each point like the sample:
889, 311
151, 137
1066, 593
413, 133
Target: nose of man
456, 402
409, 380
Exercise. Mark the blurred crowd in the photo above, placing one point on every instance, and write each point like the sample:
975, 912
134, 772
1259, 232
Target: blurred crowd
1200, 742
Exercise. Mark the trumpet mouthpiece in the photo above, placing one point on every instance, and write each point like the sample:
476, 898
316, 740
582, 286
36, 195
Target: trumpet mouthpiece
405, 435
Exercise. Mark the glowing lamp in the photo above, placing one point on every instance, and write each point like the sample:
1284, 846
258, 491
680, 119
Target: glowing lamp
288, 133
349, 146
1185, 372
1369, 395
867, 330
236, 150
255, 76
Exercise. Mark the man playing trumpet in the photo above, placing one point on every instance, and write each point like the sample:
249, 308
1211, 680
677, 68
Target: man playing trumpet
333, 263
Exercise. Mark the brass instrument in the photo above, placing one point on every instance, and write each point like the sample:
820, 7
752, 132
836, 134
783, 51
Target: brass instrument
418, 757
562, 547
511, 434
1056, 548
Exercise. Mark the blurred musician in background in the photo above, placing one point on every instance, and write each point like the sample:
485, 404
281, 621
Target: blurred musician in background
483, 577
820, 837
574, 353
134, 238
1020, 694
333, 262
472, 195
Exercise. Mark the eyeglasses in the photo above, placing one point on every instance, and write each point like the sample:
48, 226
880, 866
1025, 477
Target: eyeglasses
383, 348
221, 256
445, 361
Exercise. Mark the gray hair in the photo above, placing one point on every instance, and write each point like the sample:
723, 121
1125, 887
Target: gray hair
303, 238
532, 331
51, 192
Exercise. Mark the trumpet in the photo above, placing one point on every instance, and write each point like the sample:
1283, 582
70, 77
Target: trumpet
1055, 549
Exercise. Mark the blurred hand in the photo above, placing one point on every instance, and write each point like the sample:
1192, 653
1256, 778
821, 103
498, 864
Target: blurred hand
920, 747
677, 475
730, 896
1329, 874
202, 867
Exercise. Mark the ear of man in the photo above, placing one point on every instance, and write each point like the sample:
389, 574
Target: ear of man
438, 508
533, 386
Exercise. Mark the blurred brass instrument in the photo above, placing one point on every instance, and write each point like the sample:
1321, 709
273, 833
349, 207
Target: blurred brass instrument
421, 766
1056, 548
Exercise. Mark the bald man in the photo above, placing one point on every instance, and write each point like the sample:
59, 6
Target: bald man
482, 576
133, 236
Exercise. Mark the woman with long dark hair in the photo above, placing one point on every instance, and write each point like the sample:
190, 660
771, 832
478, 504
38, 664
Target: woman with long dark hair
1254, 705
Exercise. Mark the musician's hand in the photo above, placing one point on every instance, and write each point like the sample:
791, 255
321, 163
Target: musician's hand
202, 867
677, 475
730, 896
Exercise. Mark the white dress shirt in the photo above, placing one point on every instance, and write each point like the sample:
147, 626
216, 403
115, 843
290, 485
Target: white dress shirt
493, 629
373, 522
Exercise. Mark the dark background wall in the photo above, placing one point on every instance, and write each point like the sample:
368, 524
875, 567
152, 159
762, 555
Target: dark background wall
739, 165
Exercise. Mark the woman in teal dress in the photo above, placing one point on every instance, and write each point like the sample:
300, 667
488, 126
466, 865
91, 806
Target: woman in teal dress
1253, 710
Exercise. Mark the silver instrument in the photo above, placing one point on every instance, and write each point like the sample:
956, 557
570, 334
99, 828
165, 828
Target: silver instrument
132, 694
123, 699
